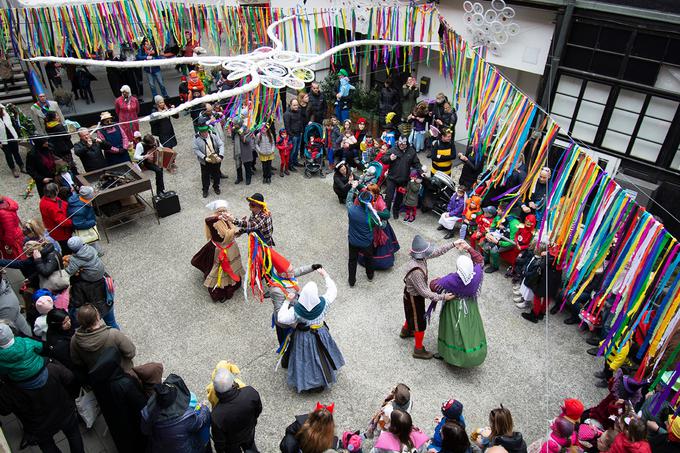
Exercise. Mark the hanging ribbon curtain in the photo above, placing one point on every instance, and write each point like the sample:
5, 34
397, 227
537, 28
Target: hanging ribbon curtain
594, 225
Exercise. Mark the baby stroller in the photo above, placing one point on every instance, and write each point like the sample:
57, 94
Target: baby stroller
372, 174
314, 150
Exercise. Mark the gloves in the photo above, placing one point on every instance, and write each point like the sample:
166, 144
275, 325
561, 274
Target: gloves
316, 266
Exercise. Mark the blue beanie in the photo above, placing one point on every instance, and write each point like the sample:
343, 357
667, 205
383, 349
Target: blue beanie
42, 292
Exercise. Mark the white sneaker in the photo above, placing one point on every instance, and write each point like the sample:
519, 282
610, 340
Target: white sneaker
518, 299
515, 287
522, 305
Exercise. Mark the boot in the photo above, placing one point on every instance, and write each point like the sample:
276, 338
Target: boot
600, 374
247, 180
601, 384
405, 333
490, 269
281, 173
287, 171
592, 341
449, 235
422, 353
593, 351
554, 309
571, 320
530, 316
440, 228
15, 172
239, 176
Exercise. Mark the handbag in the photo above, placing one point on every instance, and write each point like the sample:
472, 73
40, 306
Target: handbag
88, 407
88, 236
57, 281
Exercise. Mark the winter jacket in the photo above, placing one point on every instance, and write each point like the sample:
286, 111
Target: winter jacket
317, 107
200, 146
264, 146
243, 147
10, 309
91, 156
11, 235
176, 429
55, 218
513, 444
87, 262
38, 115
409, 97
388, 101
294, 122
661, 443
335, 137
121, 400
58, 346
469, 172
7, 129
234, 418
412, 192
400, 168
142, 56
456, 205
61, 144
389, 443
162, 128
623, 445
359, 232
81, 213
340, 185
21, 360
44, 410
36, 167
87, 346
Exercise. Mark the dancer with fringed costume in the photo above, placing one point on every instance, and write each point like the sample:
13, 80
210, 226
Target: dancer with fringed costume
220, 259
311, 355
416, 290
270, 275
462, 341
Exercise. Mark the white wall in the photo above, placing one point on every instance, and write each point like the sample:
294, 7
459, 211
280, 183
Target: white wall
527, 51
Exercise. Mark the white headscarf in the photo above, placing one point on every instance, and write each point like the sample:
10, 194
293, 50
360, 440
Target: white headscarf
465, 269
309, 296
217, 204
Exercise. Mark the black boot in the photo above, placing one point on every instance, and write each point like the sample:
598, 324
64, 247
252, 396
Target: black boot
239, 176
449, 235
530, 316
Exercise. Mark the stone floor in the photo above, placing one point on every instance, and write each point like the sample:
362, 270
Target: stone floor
162, 305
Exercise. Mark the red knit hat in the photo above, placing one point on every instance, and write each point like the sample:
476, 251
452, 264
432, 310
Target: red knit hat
279, 262
573, 409
361, 121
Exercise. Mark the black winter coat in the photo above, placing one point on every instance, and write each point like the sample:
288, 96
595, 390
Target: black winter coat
121, 400
234, 419
317, 107
162, 128
513, 444
61, 145
400, 169
58, 346
289, 443
388, 101
91, 157
294, 122
42, 411
341, 186
35, 167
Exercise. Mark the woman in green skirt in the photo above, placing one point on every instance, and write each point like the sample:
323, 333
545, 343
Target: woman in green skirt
462, 341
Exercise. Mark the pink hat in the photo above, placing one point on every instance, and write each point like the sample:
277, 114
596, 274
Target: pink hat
44, 304
351, 441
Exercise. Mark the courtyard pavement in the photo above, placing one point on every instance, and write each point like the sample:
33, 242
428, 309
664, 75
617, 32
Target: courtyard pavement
163, 307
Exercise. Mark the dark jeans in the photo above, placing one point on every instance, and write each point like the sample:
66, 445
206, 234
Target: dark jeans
160, 186
353, 257
210, 171
12, 156
295, 152
72, 433
391, 194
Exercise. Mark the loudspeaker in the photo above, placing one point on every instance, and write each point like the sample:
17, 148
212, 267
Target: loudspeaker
424, 85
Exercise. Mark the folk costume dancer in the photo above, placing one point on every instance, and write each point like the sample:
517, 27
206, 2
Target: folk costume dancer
462, 340
311, 355
220, 259
271, 275
416, 290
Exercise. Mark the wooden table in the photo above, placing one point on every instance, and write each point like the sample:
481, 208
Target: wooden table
108, 196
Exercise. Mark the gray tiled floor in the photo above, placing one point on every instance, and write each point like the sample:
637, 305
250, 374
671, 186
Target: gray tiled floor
164, 308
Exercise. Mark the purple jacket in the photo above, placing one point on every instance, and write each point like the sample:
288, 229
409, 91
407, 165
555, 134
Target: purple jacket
456, 205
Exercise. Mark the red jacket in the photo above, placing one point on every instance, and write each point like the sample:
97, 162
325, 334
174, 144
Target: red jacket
11, 236
54, 213
623, 445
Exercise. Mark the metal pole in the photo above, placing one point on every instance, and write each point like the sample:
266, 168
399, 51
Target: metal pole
558, 49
